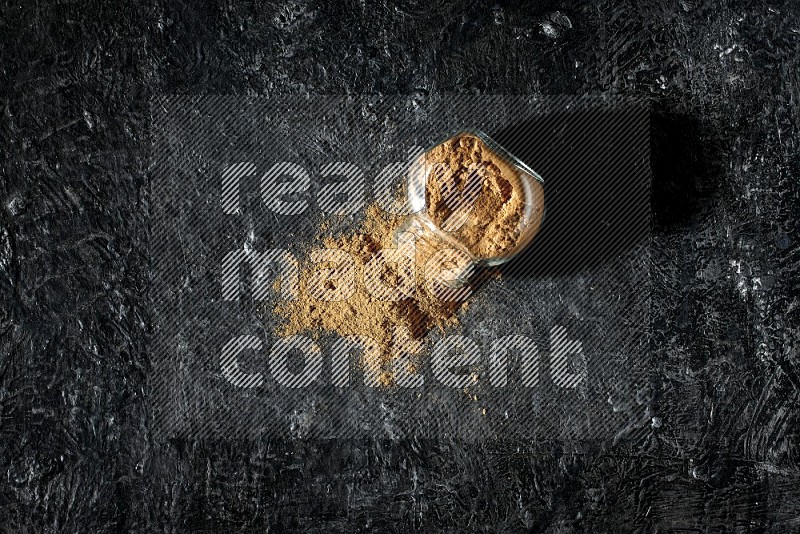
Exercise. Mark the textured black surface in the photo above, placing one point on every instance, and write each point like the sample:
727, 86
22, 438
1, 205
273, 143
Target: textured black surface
76, 454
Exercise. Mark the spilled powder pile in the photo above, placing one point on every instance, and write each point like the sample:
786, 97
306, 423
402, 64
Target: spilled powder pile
472, 186
394, 325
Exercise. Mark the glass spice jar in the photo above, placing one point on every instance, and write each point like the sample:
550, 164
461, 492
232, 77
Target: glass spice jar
473, 204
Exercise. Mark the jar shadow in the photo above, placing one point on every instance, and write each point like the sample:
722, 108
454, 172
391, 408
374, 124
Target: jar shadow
596, 167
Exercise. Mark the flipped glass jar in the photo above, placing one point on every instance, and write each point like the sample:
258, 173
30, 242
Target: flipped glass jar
473, 204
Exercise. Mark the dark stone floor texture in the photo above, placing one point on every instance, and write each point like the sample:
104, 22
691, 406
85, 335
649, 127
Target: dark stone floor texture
722, 451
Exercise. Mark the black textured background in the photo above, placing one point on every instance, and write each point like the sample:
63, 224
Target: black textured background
76, 79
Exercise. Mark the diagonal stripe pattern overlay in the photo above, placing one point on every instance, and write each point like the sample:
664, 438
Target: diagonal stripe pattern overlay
556, 347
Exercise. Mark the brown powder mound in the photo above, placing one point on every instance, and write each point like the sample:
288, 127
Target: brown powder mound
469, 176
388, 322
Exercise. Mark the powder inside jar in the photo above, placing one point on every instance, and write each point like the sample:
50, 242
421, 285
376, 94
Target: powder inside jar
477, 196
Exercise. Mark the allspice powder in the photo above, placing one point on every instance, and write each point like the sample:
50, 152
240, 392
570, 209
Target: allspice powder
394, 325
466, 170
